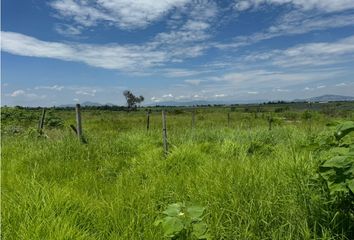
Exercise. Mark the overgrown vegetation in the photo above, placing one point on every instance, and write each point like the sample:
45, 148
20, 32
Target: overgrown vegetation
337, 175
219, 181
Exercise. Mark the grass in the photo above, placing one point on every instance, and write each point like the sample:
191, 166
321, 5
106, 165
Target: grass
254, 183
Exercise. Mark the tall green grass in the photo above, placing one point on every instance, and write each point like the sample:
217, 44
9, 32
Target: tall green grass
254, 183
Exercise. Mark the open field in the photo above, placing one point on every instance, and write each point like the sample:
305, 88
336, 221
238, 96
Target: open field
254, 183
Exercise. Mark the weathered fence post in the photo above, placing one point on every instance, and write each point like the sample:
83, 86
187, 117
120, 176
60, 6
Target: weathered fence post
41, 122
193, 118
228, 119
148, 120
78, 123
164, 133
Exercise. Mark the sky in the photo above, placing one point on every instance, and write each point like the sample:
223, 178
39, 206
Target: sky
57, 52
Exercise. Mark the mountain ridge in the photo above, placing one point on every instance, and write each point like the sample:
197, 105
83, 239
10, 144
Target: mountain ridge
322, 98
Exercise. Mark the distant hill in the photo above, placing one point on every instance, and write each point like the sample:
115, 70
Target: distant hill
203, 102
327, 98
323, 98
91, 104
86, 104
177, 104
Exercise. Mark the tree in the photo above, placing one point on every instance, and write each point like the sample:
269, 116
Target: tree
132, 100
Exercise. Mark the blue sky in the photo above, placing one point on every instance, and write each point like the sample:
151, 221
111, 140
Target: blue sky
65, 51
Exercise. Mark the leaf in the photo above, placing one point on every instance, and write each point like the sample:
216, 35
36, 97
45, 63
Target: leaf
337, 187
343, 129
173, 209
172, 226
199, 229
350, 184
338, 173
195, 212
332, 123
338, 162
205, 236
157, 222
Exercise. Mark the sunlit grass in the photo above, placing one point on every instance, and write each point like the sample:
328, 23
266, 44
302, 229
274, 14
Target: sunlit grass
254, 183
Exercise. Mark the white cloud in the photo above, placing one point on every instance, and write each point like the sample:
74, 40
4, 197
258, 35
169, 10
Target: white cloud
185, 34
220, 95
243, 5
185, 37
321, 86
17, 93
182, 97
68, 30
310, 54
164, 97
109, 56
80, 11
321, 5
188, 38
292, 23
200, 15
122, 13
54, 87
341, 84
156, 99
302, 22
23, 94
91, 93
280, 81
167, 95
178, 72
195, 82
123, 57
252, 92
281, 90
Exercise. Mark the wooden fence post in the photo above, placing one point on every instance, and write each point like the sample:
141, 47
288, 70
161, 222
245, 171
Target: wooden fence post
148, 120
164, 133
193, 118
78, 123
41, 122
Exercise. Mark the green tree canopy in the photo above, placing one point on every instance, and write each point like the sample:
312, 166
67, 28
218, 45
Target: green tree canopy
132, 100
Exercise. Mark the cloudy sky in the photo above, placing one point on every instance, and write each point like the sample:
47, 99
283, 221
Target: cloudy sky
64, 51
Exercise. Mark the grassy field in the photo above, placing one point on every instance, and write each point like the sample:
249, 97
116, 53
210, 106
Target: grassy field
253, 183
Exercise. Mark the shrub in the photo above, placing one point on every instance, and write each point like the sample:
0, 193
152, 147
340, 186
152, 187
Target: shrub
183, 222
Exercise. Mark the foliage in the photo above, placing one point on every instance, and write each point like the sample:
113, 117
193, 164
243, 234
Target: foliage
132, 100
183, 222
255, 183
306, 115
281, 109
52, 120
337, 173
343, 129
18, 116
178, 111
55, 122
